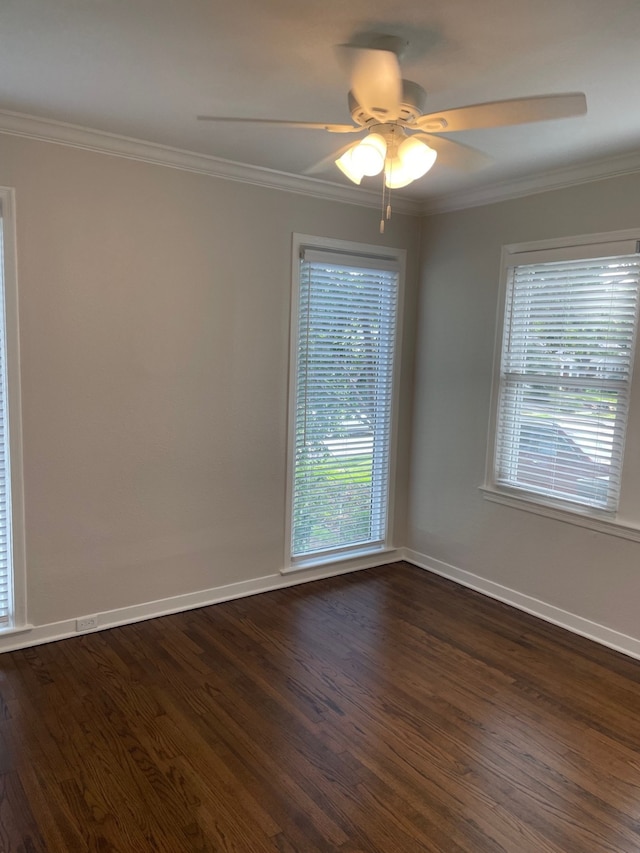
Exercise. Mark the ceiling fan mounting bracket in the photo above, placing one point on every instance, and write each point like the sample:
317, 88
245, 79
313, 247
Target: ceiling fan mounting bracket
394, 44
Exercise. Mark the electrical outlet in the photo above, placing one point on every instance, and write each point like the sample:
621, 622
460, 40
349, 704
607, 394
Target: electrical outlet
86, 623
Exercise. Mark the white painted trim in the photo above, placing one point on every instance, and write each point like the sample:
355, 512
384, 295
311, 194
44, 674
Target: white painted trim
600, 246
74, 136
365, 558
34, 636
517, 187
15, 498
548, 612
28, 635
13, 630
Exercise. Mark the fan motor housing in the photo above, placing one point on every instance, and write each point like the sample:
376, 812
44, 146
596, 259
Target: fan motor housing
412, 106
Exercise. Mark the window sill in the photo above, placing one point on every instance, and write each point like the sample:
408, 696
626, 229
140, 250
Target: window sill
328, 559
577, 517
15, 629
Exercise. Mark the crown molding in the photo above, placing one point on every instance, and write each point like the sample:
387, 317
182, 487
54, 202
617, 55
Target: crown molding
553, 179
75, 136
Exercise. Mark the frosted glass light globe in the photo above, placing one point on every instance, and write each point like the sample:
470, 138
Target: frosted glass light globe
348, 167
416, 157
369, 155
396, 175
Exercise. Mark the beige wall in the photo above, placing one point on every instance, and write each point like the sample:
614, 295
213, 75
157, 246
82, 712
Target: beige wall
592, 575
154, 343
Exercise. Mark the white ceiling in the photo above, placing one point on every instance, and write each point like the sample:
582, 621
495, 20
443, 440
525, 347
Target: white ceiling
146, 68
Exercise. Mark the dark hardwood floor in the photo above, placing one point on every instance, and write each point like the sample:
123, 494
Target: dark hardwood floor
387, 710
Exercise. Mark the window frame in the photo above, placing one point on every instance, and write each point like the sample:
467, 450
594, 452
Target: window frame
353, 249
15, 524
625, 521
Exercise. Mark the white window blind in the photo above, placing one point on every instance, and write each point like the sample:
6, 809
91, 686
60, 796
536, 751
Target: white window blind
347, 309
567, 356
6, 591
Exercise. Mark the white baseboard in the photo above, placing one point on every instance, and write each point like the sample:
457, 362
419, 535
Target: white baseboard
572, 622
23, 637
36, 635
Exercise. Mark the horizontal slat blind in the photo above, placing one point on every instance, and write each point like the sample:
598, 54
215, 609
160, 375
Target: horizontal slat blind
566, 368
346, 341
6, 593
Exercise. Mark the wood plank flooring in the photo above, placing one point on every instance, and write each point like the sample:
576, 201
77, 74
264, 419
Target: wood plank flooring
387, 710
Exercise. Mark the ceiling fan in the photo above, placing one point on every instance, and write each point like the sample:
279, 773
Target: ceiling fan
401, 140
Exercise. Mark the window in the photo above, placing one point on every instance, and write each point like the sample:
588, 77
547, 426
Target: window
343, 363
12, 605
563, 395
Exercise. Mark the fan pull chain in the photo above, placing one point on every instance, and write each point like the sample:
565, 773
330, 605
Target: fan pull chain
386, 195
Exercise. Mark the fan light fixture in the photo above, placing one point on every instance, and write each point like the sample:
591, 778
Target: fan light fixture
370, 156
364, 158
402, 162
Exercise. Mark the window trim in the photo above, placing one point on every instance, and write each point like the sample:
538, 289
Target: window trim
18, 616
346, 247
590, 519
600, 520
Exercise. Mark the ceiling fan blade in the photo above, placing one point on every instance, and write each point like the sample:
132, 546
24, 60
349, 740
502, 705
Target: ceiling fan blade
328, 161
501, 113
455, 154
308, 125
376, 81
